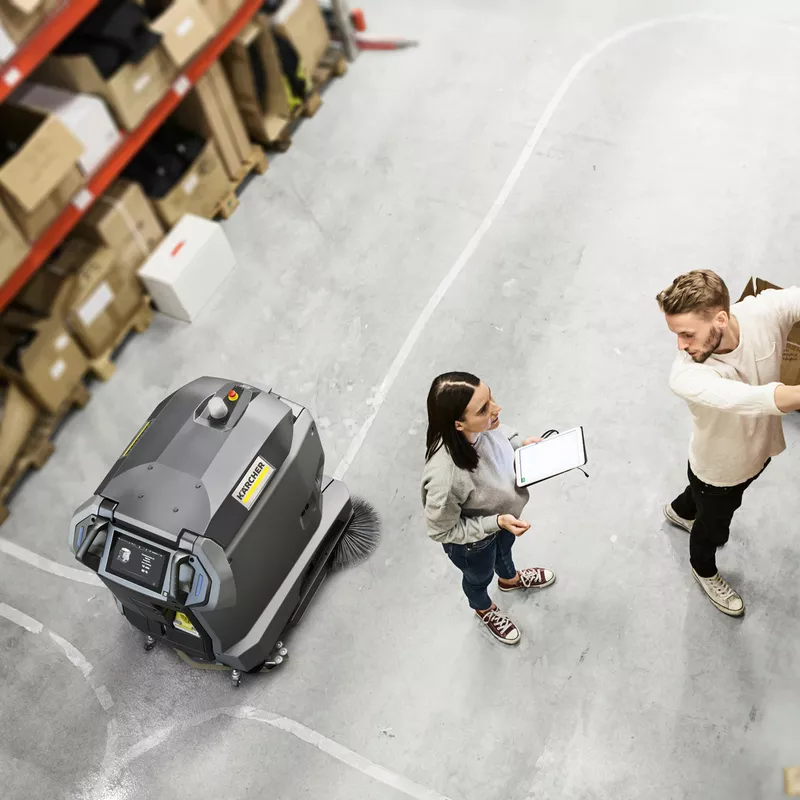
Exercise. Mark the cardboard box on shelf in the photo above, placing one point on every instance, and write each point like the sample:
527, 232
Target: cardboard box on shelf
200, 190
302, 23
20, 18
790, 367
186, 29
18, 415
130, 92
85, 287
210, 111
41, 356
86, 117
13, 247
220, 11
260, 95
188, 267
123, 220
42, 177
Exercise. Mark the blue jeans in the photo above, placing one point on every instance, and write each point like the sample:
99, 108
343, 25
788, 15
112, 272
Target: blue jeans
479, 562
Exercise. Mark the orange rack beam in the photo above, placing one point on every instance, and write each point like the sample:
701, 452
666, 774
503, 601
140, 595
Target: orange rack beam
117, 161
41, 43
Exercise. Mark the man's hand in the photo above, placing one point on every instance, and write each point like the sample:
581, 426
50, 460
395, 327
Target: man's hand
531, 440
787, 398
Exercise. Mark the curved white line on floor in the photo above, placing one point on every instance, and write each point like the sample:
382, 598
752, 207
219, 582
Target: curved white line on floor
46, 565
75, 657
113, 766
511, 181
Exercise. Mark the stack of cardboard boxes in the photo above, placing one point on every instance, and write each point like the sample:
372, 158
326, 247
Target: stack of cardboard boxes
59, 128
74, 309
268, 98
131, 86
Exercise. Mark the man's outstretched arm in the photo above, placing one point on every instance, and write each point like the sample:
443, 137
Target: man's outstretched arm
705, 387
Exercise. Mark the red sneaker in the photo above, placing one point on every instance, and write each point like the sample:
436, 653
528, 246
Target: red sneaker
531, 578
500, 626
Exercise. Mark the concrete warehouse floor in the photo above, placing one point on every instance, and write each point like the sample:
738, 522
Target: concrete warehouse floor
674, 146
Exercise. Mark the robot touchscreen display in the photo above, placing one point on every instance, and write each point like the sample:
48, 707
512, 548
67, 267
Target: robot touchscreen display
137, 562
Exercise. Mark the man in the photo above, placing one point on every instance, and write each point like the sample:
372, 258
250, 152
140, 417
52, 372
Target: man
728, 371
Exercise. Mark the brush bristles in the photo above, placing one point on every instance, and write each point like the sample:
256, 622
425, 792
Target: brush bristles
361, 538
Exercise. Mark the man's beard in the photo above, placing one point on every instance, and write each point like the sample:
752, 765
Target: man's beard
710, 346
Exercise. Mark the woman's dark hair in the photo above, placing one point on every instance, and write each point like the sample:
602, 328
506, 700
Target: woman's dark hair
447, 401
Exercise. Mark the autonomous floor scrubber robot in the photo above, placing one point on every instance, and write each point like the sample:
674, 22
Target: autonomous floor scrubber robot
217, 524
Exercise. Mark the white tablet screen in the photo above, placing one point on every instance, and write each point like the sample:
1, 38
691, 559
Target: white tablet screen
551, 457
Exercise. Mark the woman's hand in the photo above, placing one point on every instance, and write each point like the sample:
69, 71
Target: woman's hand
513, 525
531, 440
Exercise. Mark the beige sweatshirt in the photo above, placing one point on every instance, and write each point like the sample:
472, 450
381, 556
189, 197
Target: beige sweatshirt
737, 425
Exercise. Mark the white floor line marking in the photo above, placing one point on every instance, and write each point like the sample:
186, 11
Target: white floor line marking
73, 654
75, 657
18, 618
45, 564
343, 754
472, 245
114, 765
104, 697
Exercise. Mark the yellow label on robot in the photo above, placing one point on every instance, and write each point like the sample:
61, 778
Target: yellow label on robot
135, 439
253, 483
182, 622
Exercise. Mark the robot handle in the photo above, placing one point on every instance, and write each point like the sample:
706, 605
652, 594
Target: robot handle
175, 574
88, 541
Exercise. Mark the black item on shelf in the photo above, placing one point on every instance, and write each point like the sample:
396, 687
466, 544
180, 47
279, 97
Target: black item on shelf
8, 149
154, 8
164, 159
259, 73
114, 34
17, 341
292, 68
183, 143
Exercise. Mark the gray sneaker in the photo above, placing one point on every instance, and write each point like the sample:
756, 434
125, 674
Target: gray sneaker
721, 594
680, 522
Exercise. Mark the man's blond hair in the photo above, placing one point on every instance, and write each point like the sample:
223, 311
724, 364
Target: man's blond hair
700, 290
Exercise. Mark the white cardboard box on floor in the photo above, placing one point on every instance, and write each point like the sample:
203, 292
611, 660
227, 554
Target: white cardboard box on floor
86, 116
188, 267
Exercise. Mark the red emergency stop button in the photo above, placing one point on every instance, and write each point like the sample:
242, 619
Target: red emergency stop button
232, 396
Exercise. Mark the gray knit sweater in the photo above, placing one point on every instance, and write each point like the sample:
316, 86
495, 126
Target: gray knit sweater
461, 506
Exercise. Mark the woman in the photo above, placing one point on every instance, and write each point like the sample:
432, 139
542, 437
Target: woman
472, 503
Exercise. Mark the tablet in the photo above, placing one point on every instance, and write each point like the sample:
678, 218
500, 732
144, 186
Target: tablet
550, 457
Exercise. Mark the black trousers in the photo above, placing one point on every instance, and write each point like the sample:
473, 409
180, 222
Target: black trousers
712, 509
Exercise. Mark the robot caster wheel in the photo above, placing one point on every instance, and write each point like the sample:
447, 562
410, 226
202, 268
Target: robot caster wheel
236, 678
149, 643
